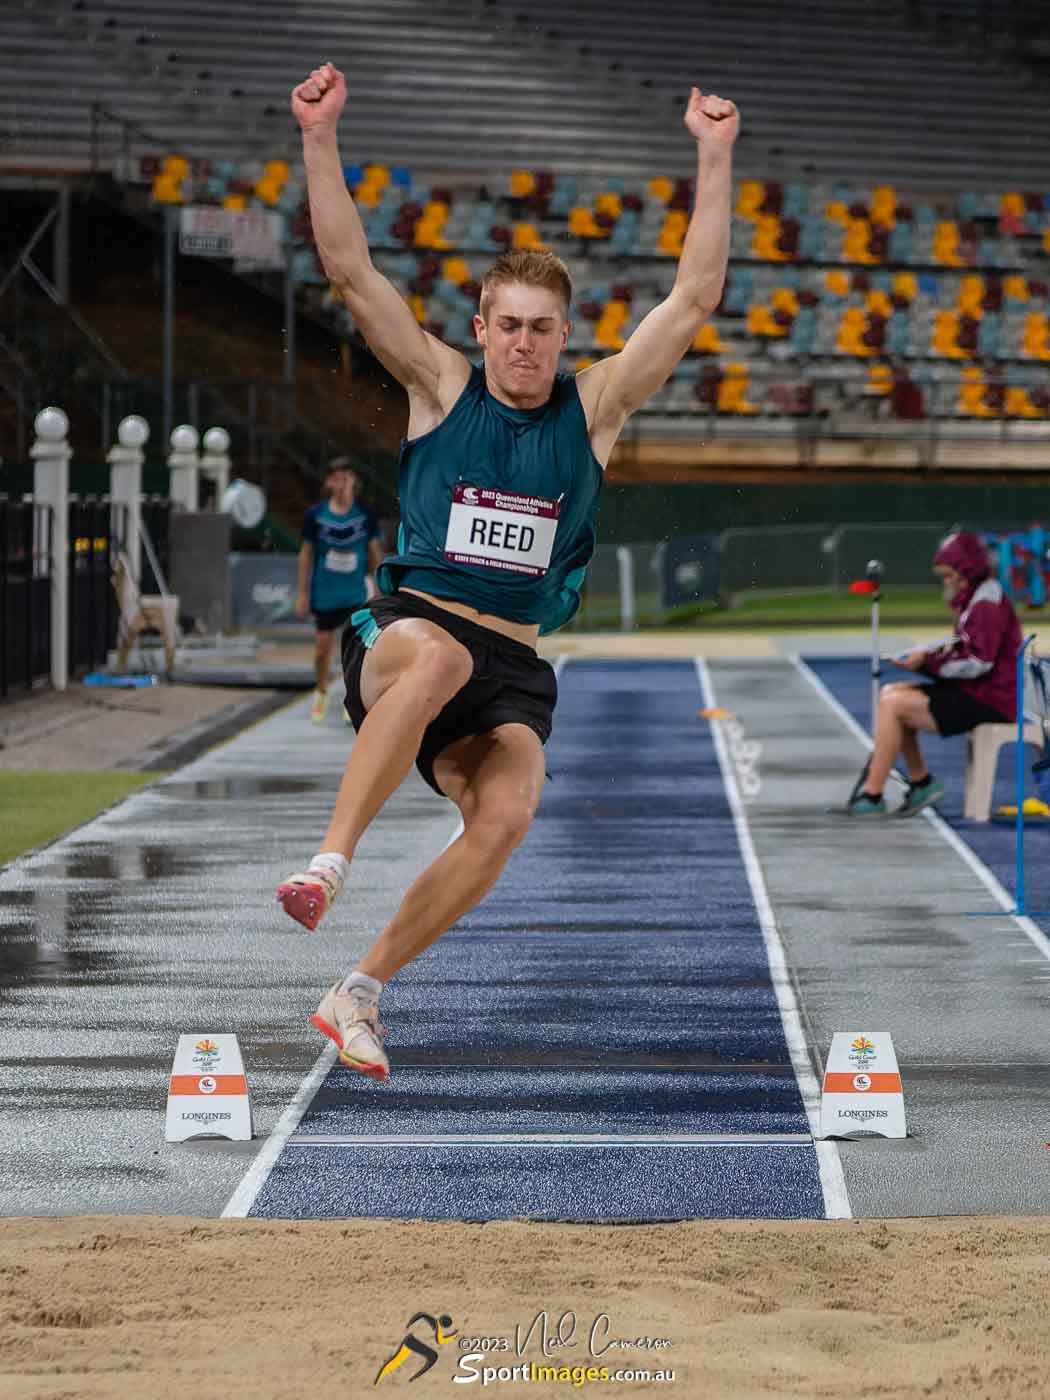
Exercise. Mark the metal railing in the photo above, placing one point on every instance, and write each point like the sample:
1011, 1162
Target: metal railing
25, 594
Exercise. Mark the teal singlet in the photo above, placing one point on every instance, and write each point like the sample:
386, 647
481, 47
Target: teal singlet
499, 507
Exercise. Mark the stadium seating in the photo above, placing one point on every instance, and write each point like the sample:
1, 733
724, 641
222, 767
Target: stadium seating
473, 84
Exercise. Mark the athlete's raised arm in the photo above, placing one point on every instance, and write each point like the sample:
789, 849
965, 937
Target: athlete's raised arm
615, 387
433, 373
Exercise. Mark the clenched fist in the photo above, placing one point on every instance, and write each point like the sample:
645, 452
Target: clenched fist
712, 120
318, 102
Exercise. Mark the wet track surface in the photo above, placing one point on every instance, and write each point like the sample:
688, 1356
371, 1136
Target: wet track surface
599, 1039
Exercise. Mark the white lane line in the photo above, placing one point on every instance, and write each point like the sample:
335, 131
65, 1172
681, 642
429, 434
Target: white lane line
832, 1182
254, 1179
999, 893
243, 1198
550, 1140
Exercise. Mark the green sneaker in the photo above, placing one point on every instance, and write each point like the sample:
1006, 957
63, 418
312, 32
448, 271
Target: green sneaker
918, 798
865, 806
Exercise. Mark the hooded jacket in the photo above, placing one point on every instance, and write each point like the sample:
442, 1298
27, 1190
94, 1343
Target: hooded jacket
981, 656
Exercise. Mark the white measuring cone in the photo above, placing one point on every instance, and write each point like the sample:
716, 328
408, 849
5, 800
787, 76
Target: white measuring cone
862, 1091
207, 1092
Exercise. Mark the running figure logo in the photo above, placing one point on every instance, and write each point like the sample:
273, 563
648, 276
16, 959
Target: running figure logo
413, 1346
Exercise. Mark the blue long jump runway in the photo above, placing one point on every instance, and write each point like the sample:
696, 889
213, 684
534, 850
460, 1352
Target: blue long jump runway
600, 1039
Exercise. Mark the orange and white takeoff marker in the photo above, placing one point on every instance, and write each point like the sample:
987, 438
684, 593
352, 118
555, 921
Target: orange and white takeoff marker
208, 1090
862, 1093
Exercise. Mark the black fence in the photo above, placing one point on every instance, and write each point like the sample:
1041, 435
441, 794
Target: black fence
97, 531
25, 594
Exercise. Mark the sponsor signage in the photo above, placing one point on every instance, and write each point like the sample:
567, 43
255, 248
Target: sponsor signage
252, 237
208, 1091
862, 1093
263, 588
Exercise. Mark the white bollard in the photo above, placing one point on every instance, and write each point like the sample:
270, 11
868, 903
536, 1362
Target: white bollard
215, 461
125, 484
51, 453
625, 567
185, 468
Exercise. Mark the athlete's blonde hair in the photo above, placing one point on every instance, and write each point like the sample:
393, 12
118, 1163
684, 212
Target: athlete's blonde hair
530, 267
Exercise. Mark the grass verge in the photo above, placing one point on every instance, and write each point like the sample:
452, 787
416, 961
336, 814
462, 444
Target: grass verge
899, 608
37, 807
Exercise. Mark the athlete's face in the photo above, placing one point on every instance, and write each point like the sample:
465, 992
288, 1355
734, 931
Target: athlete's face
341, 486
523, 335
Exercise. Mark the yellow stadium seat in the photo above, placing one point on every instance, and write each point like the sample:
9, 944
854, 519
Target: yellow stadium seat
1015, 288
277, 170
878, 303
760, 322
178, 167
584, 362
268, 190
836, 211
609, 203
377, 175
1035, 336
661, 188
836, 282
1019, 405
235, 201
765, 243
946, 244
522, 183
944, 338
707, 340
971, 394
1012, 203
732, 391
456, 270
880, 379
856, 246
167, 190
905, 284
785, 299
671, 235
749, 198
527, 236
368, 196
582, 223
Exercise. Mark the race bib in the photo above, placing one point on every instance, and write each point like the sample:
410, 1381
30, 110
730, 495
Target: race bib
501, 530
338, 562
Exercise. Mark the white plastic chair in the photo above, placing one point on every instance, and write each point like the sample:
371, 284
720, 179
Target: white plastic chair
985, 742
141, 610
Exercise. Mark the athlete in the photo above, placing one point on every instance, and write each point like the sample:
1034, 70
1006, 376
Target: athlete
499, 479
340, 547
973, 680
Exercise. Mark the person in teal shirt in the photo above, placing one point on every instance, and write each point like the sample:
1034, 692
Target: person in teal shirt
499, 480
340, 548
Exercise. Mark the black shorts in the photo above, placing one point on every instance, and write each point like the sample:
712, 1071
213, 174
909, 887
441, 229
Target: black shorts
333, 619
956, 711
510, 684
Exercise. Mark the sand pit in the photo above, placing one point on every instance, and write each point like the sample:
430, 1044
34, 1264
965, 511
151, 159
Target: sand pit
134, 1307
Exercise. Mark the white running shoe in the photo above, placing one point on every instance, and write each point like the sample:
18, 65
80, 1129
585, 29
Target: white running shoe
352, 1021
319, 706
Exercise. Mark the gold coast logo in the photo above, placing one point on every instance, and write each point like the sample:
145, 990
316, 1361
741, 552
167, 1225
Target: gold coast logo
861, 1051
411, 1346
205, 1054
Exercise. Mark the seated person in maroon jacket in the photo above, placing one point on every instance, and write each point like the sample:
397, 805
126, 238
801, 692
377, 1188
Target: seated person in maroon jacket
974, 679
